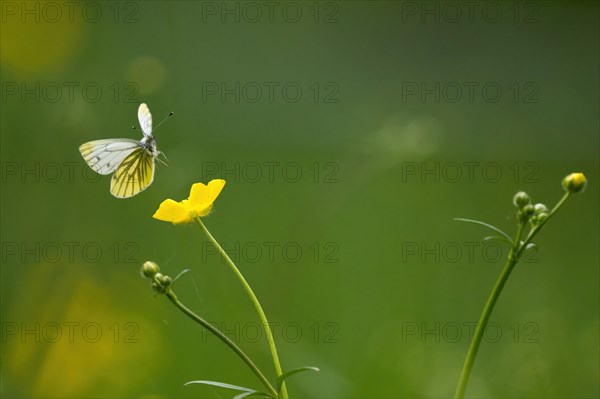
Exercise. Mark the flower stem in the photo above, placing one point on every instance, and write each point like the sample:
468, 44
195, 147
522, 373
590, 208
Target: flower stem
173, 298
537, 228
485, 315
513, 257
254, 299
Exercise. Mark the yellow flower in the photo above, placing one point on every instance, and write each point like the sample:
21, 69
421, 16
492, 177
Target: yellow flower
198, 204
574, 183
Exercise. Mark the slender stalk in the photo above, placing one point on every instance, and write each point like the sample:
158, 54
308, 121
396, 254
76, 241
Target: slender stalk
485, 315
254, 299
173, 298
513, 257
537, 228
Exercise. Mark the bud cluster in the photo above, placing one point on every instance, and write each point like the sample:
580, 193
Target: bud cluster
160, 282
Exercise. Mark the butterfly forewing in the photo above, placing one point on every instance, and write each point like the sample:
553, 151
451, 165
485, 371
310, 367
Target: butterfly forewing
145, 118
134, 174
104, 156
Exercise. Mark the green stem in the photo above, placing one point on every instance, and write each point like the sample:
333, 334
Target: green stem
537, 228
173, 298
256, 303
485, 315
513, 257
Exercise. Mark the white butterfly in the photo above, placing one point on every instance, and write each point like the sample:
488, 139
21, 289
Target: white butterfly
131, 160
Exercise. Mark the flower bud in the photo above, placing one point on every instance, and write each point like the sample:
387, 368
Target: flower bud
528, 210
574, 183
540, 208
541, 217
149, 269
521, 199
159, 278
526, 213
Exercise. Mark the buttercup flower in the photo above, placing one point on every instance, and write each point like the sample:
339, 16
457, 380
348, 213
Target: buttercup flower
198, 204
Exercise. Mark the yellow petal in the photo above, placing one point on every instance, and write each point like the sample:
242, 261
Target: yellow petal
203, 212
203, 196
172, 211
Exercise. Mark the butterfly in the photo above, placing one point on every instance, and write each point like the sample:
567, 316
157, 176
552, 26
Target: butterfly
131, 161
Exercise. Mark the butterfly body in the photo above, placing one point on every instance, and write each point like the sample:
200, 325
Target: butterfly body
132, 161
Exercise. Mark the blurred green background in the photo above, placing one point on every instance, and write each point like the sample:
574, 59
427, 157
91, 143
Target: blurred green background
341, 188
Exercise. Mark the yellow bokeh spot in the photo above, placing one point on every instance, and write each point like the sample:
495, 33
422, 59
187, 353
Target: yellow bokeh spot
148, 73
69, 337
38, 37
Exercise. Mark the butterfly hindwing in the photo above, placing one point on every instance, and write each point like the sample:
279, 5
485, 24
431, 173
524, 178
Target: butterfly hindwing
133, 175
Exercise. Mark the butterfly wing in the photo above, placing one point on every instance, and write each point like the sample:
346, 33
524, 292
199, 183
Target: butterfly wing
145, 118
131, 161
104, 156
134, 174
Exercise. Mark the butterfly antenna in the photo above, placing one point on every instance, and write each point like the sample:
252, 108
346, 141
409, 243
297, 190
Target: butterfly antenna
163, 121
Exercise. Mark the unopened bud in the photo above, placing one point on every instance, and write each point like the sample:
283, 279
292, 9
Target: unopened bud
574, 183
150, 269
521, 199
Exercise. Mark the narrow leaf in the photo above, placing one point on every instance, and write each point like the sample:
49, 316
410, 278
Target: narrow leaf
488, 238
252, 394
246, 392
184, 271
489, 226
290, 373
223, 385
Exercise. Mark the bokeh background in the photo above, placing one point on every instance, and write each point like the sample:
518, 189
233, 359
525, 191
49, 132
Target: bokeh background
342, 183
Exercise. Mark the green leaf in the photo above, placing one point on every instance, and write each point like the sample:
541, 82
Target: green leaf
489, 226
184, 271
290, 373
245, 391
252, 394
488, 238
